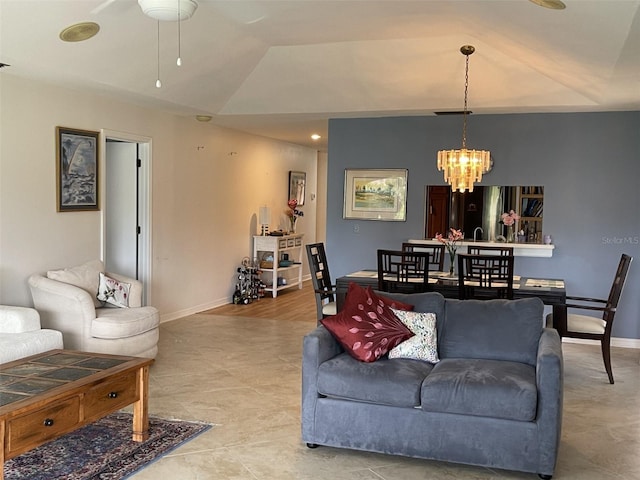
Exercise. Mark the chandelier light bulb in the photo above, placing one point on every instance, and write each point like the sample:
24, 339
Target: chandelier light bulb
158, 83
179, 62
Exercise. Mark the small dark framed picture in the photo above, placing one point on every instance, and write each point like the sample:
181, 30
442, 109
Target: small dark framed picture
77, 169
297, 186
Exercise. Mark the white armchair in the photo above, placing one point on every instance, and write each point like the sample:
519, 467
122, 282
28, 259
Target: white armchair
21, 335
88, 326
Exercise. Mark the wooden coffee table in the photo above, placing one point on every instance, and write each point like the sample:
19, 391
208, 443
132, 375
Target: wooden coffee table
50, 394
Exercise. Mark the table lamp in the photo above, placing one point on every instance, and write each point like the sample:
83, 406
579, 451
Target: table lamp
265, 220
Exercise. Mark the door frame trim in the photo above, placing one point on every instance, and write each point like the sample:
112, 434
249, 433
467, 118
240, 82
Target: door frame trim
145, 198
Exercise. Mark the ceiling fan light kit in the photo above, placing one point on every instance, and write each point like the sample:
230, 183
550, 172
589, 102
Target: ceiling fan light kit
464, 167
167, 10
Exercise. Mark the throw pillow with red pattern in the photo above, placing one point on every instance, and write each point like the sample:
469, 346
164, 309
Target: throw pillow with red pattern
366, 326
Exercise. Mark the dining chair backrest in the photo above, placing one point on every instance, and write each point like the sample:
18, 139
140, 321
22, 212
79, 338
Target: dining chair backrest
586, 325
405, 272
616, 289
489, 250
436, 254
485, 276
320, 278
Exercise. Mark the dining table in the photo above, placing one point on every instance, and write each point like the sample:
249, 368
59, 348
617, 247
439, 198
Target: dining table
550, 290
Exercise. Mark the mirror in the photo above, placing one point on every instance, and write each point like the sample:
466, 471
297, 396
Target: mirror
479, 211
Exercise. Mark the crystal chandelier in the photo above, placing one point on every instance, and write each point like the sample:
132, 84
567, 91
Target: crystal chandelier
464, 167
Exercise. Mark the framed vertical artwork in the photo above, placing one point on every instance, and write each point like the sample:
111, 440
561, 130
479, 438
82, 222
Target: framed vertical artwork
297, 186
375, 194
76, 169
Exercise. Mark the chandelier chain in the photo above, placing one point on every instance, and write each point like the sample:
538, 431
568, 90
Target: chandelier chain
464, 112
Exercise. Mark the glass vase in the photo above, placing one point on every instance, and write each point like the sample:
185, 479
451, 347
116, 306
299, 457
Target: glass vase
292, 227
452, 262
510, 234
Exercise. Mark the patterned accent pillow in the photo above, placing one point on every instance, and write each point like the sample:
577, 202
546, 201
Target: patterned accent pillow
366, 327
424, 344
114, 292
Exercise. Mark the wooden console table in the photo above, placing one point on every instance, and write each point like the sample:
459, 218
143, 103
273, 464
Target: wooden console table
45, 396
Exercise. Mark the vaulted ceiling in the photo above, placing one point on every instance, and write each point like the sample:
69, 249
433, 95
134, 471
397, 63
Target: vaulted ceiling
282, 68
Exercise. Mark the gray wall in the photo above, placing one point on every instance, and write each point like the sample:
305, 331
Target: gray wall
588, 163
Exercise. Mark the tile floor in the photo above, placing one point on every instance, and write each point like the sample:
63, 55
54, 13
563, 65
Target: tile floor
243, 375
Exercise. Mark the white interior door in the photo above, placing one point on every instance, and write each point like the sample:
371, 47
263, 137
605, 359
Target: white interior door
121, 208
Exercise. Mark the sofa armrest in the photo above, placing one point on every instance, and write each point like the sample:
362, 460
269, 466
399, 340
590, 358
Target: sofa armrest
135, 292
550, 383
318, 347
18, 319
63, 307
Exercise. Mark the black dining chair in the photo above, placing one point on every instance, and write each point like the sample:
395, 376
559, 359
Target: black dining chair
489, 250
436, 254
485, 277
403, 272
324, 290
593, 327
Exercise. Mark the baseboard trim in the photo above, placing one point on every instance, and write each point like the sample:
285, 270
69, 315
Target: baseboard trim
167, 317
615, 342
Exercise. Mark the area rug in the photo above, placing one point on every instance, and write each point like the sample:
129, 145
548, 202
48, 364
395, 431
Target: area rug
102, 450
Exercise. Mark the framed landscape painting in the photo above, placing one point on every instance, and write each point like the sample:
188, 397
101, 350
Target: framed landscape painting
76, 169
375, 194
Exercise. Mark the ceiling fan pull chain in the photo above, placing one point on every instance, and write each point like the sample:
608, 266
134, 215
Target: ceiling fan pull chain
179, 61
158, 82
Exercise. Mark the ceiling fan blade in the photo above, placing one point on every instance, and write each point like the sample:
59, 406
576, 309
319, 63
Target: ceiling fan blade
102, 6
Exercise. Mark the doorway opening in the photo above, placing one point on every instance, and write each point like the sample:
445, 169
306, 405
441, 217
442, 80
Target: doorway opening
126, 206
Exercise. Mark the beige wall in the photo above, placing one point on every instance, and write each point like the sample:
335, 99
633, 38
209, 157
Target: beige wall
204, 200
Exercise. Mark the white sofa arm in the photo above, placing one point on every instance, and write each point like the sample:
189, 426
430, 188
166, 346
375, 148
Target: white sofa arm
18, 319
135, 292
63, 307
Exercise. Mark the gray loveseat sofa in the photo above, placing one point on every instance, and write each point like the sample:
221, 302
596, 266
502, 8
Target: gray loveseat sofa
493, 400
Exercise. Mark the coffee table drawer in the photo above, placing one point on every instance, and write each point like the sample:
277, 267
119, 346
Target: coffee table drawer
37, 427
113, 394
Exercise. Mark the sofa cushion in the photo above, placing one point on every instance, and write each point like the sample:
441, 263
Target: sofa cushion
366, 327
390, 382
423, 345
124, 322
486, 388
85, 276
491, 329
19, 345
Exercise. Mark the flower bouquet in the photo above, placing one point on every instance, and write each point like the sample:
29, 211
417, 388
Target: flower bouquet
451, 242
293, 213
509, 220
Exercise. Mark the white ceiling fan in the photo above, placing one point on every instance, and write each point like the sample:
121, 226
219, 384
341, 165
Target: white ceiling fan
163, 10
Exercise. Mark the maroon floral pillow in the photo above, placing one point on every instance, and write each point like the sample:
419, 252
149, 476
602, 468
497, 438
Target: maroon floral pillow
366, 327
389, 302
